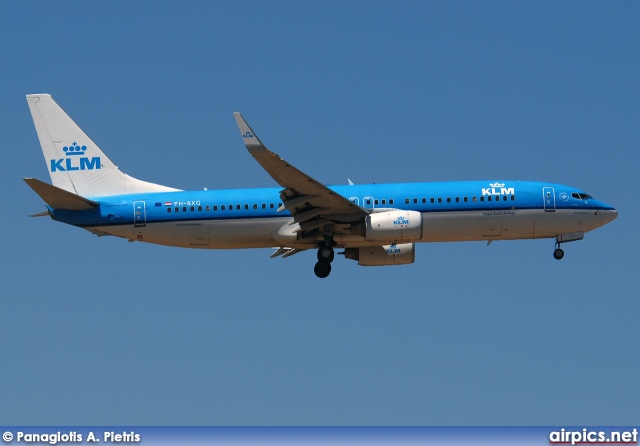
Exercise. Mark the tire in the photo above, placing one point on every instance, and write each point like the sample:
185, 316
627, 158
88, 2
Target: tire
558, 254
325, 254
322, 269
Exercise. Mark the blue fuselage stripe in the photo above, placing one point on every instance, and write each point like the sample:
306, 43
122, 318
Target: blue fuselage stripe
504, 195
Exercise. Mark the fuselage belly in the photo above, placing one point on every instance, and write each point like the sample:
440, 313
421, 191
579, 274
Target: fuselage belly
438, 227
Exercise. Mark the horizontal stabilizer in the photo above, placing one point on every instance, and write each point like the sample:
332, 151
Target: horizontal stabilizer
41, 214
59, 198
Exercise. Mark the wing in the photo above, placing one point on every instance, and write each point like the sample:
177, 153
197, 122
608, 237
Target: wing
312, 204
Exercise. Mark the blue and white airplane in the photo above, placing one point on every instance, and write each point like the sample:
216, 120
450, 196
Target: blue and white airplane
376, 224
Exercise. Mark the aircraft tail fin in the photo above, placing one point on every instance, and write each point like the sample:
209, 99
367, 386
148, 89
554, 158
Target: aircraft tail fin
75, 163
58, 198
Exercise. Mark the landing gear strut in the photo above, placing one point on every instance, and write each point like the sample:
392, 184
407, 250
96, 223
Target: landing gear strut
325, 257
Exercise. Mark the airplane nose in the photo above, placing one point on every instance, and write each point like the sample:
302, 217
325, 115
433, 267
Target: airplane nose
608, 215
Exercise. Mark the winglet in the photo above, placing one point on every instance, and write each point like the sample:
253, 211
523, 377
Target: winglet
251, 140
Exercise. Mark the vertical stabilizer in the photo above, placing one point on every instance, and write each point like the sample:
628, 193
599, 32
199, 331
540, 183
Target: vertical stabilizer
75, 163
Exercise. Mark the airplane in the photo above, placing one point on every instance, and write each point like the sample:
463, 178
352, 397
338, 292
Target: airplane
375, 224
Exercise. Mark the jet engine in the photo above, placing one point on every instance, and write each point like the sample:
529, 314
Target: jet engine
391, 227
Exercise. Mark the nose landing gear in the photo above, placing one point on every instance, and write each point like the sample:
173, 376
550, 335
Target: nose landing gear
558, 253
325, 257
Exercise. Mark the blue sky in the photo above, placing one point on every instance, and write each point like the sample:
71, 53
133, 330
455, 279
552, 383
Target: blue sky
101, 331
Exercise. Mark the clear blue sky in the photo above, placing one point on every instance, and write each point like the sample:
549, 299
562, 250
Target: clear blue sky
101, 331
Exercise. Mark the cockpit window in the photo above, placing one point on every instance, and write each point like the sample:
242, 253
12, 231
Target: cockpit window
578, 196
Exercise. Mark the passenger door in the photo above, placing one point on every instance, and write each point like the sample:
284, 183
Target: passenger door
139, 213
549, 198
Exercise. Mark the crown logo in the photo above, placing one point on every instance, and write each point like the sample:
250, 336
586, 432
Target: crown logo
496, 184
74, 150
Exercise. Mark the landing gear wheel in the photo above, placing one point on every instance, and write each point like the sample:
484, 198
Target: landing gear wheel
558, 254
325, 254
322, 269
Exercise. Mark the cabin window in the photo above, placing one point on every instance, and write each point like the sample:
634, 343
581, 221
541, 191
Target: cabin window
246, 206
264, 206
489, 198
466, 199
255, 206
191, 208
457, 199
474, 199
384, 201
200, 208
238, 207
448, 200
424, 200
439, 200
432, 200
368, 201
184, 209
375, 202
169, 210
177, 209
390, 200
482, 198
222, 207
270, 205
215, 208
504, 198
513, 197
207, 208
415, 201
407, 201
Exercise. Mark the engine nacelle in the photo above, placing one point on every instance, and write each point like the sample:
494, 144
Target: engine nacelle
393, 227
383, 255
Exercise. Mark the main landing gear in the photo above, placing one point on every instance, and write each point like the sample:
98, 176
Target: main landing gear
325, 257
